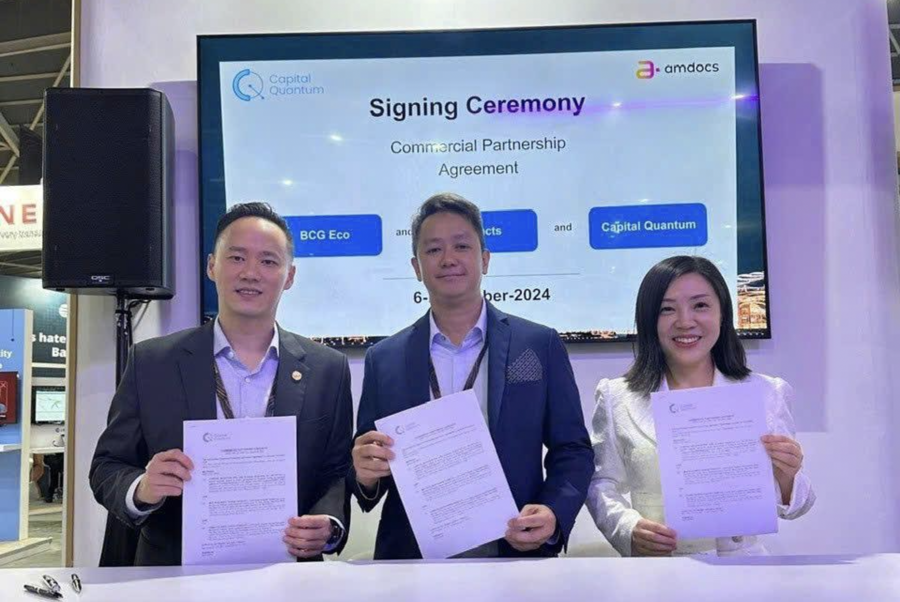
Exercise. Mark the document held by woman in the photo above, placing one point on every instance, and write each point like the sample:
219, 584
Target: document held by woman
717, 479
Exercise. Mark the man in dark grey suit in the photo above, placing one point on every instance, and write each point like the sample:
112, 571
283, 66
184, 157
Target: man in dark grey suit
240, 365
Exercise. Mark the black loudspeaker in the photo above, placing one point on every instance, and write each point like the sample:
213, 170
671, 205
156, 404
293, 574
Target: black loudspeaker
108, 167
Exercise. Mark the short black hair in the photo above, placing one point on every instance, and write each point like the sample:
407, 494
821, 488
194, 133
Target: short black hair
254, 209
447, 202
646, 373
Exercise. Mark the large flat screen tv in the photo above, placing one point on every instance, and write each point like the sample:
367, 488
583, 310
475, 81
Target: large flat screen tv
594, 152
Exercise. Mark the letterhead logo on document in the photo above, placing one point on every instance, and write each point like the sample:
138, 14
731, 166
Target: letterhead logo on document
402, 429
210, 437
247, 85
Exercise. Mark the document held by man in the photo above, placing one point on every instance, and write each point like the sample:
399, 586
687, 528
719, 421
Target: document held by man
717, 479
448, 475
242, 491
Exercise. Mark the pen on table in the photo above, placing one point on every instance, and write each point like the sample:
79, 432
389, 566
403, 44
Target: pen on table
51, 584
44, 593
76, 583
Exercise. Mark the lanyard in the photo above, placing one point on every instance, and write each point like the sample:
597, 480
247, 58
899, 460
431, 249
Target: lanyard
222, 395
470, 382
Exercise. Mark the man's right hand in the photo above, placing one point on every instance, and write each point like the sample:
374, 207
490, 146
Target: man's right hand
165, 476
371, 453
652, 539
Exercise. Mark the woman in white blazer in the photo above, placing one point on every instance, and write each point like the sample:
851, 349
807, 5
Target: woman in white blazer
685, 339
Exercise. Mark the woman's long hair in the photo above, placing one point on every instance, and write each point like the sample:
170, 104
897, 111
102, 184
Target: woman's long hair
646, 373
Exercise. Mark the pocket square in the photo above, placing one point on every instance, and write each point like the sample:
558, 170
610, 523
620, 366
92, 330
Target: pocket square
525, 369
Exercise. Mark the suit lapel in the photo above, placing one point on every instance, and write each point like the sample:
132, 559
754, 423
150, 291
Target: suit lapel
196, 367
292, 376
641, 413
418, 352
499, 334
640, 410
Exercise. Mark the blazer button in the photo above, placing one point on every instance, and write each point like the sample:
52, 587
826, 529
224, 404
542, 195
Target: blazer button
737, 539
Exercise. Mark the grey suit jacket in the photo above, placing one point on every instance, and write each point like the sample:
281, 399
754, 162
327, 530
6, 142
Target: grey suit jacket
170, 379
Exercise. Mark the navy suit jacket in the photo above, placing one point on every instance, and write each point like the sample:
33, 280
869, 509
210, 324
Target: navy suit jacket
525, 414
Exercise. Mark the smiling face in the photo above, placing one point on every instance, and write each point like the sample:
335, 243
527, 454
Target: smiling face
251, 268
690, 319
449, 259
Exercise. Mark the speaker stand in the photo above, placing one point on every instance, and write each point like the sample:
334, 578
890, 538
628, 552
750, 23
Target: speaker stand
123, 334
119, 541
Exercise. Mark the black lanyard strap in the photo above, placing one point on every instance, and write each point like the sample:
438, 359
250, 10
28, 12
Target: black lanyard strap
470, 382
222, 395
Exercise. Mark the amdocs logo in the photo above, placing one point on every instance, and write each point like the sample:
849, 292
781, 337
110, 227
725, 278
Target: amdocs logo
247, 85
649, 70
646, 70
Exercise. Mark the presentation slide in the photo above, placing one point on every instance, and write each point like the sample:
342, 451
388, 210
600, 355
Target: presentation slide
589, 168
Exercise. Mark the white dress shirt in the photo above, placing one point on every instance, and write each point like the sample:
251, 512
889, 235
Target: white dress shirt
454, 363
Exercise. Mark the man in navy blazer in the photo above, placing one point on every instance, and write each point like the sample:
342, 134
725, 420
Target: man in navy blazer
518, 370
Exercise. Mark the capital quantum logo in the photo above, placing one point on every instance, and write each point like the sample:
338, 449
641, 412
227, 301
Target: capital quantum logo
676, 408
211, 437
248, 85
649, 69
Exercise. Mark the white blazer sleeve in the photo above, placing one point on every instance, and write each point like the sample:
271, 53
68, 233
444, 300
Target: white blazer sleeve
781, 422
606, 501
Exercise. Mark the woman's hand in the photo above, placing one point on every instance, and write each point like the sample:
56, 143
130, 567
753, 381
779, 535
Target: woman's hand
652, 539
787, 457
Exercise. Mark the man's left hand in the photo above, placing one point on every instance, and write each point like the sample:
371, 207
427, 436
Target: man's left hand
306, 536
532, 528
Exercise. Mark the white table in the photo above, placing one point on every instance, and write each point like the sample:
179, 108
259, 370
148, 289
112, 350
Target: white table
793, 579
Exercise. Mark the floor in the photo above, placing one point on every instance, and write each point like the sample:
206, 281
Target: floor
44, 520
